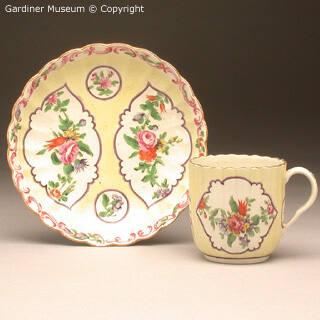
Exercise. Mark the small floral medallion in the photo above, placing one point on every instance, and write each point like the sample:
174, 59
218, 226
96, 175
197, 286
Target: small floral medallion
62, 147
103, 82
153, 145
111, 206
236, 214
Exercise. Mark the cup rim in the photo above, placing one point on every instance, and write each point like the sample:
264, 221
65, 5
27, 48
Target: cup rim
280, 161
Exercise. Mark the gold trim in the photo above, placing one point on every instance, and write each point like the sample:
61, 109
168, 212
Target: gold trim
281, 162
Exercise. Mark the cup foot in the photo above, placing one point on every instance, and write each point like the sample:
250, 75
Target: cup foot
236, 260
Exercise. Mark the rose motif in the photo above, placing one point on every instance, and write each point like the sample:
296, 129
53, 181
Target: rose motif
68, 152
147, 140
55, 193
235, 224
148, 155
105, 83
202, 204
53, 99
270, 209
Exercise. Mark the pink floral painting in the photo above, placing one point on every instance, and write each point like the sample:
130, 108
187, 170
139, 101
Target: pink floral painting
242, 222
65, 143
103, 82
153, 143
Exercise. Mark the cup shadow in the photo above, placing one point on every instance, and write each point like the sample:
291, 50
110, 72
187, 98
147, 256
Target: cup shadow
288, 252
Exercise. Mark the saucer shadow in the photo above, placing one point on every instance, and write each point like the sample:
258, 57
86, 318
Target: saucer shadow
176, 233
54, 238
50, 237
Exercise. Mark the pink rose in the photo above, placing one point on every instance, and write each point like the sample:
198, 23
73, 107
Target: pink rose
235, 224
105, 83
270, 208
53, 99
147, 140
68, 151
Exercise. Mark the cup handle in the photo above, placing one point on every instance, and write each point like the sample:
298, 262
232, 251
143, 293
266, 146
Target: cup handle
313, 194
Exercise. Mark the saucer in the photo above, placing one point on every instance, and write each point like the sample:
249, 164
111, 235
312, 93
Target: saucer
99, 141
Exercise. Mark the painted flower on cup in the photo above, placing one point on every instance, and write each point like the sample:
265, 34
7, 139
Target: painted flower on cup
237, 222
242, 207
202, 204
148, 144
270, 208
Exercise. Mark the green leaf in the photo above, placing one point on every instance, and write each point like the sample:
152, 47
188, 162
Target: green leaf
65, 102
146, 178
103, 214
212, 221
51, 184
231, 238
163, 135
105, 201
256, 229
155, 114
41, 152
142, 167
233, 205
107, 91
251, 233
134, 130
65, 124
131, 142
48, 107
164, 183
153, 170
54, 158
133, 154
214, 212
68, 169
223, 212
84, 148
152, 109
255, 219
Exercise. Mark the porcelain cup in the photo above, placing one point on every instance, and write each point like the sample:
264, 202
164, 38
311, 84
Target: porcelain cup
237, 204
